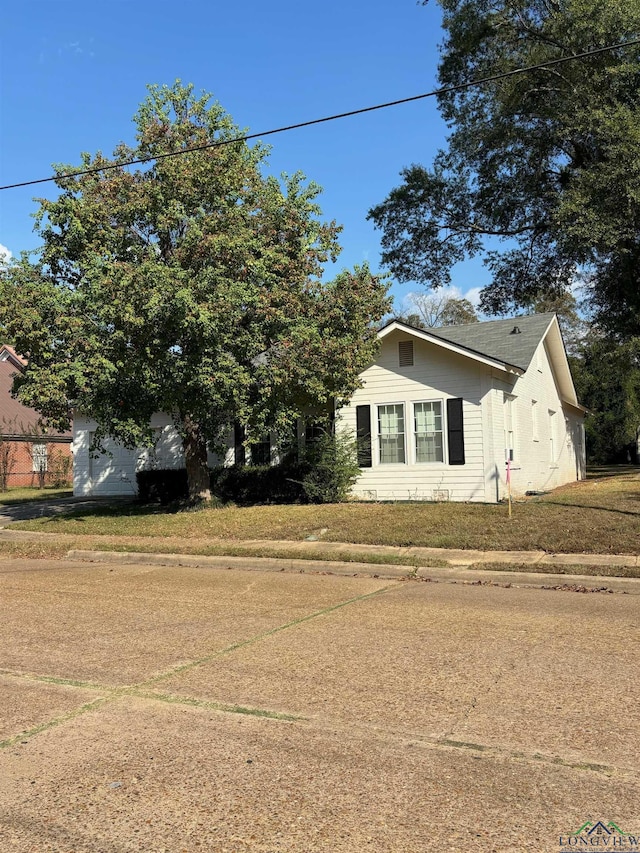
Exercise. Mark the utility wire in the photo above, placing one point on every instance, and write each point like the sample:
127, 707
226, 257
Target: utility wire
219, 143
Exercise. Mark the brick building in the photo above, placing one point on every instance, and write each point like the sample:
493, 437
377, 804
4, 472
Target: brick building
29, 456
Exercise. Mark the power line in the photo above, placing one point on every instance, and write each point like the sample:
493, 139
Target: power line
219, 143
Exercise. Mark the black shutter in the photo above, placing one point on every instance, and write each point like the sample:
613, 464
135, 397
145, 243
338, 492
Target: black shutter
363, 424
455, 431
239, 455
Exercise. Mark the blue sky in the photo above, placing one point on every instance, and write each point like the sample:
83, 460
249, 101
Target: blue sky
74, 73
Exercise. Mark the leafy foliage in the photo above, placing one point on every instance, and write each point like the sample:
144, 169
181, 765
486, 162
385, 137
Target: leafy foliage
190, 285
548, 160
333, 467
607, 377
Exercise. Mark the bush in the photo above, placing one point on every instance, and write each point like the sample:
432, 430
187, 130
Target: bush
253, 484
332, 462
163, 485
60, 469
325, 474
239, 484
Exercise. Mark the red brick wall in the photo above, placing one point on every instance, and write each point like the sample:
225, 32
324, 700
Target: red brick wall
21, 466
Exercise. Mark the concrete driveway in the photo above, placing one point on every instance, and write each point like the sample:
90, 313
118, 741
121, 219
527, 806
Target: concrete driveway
27, 510
150, 708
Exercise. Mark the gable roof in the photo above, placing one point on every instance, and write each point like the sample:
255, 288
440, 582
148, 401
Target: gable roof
7, 353
15, 418
498, 338
498, 344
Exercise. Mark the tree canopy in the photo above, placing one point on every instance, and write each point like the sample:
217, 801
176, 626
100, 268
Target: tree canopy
607, 377
191, 285
547, 160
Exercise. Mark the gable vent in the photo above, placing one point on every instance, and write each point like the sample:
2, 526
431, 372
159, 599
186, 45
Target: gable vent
405, 353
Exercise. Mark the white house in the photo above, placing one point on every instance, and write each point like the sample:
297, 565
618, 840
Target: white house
442, 410
437, 416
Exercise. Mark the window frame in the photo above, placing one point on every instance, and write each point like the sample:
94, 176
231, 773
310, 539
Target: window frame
260, 451
39, 457
510, 436
442, 432
379, 459
553, 448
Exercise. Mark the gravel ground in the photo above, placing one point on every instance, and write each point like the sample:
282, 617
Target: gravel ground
149, 709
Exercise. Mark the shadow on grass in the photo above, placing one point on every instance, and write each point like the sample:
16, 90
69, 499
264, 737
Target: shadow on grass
598, 508
596, 472
118, 511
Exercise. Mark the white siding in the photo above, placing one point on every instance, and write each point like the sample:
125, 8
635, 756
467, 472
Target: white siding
109, 473
434, 375
113, 472
538, 435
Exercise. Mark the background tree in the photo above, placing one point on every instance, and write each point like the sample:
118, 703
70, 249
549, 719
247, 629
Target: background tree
548, 160
573, 325
433, 310
607, 377
190, 285
7, 455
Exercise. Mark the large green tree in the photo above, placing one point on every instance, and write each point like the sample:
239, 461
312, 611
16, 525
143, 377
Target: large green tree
189, 284
607, 376
547, 160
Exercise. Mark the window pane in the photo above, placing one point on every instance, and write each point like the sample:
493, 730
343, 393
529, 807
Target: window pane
260, 452
391, 420
391, 449
39, 457
391, 433
428, 432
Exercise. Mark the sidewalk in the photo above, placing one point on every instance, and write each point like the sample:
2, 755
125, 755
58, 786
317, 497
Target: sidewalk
447, 565
454, 573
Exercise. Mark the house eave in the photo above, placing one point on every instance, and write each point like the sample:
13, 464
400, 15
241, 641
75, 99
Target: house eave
421, 334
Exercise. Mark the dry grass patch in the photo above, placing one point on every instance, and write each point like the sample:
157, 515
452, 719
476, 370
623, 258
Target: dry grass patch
601, 515
550, 569
58, 546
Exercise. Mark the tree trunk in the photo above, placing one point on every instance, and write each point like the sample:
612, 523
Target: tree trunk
195, 455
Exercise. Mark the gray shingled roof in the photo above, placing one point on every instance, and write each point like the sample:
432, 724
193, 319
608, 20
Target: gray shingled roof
496, 338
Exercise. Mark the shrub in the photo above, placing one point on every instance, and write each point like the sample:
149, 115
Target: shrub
250, 484
239, 484
162, 485
332, 462
59, 469
325, 474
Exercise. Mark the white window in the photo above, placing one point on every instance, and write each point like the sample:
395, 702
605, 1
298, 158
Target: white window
39, 457
427, 426
391, 433
534, 420
509, 435
552, 436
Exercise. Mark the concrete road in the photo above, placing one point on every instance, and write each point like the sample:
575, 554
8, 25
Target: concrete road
150, 708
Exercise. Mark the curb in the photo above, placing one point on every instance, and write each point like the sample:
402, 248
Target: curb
472, 577
255, 564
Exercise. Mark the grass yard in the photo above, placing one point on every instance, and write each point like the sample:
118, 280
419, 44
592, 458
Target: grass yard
26, 494
600, 515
